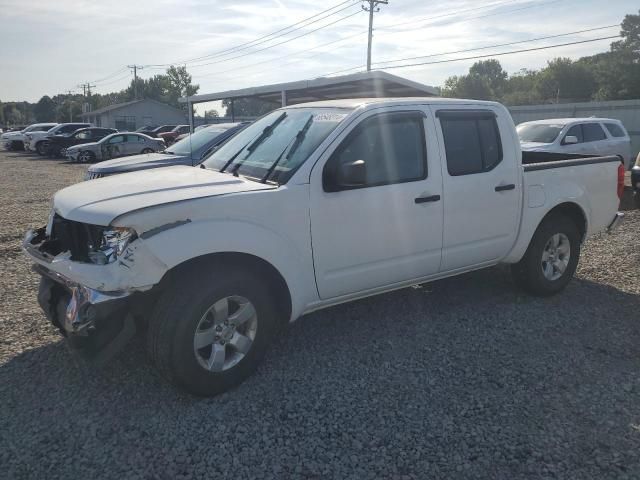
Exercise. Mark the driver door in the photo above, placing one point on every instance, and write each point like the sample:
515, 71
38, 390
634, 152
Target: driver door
389, 229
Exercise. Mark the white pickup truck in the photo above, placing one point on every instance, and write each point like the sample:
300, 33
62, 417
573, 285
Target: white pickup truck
310, 206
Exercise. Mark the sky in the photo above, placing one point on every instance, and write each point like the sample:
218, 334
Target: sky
50, 47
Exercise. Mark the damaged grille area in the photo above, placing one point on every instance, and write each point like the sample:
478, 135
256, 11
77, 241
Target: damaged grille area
79, 239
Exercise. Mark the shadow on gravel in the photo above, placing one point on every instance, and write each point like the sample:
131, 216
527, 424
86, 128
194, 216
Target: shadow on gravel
461, 375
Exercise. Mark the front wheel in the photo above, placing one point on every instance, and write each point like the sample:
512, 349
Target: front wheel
209, 332
552, 257
86, 157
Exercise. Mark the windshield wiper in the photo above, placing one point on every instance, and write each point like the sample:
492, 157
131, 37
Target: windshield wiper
266, 133
233, 157
294, 146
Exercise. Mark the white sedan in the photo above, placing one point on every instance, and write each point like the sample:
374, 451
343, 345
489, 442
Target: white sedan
114, 146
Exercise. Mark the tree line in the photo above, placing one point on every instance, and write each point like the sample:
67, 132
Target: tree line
612, 75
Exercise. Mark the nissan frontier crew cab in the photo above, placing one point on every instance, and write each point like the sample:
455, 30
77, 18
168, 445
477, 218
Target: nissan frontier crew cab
310, 206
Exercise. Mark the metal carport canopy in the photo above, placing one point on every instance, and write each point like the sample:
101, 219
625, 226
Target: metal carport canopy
357, 85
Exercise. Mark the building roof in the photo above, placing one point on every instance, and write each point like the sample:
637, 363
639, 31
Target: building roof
357, 85
117, 106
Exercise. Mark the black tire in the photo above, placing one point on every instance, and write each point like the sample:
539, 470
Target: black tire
147, 150
184, 301
42, 148
86, 157
528, 272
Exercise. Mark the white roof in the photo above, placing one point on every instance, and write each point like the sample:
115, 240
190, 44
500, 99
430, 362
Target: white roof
564, 121
358, 102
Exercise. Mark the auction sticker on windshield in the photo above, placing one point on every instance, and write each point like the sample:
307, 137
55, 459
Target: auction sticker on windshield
328, 117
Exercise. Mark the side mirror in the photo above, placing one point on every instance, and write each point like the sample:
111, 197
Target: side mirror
352, 174
570, 140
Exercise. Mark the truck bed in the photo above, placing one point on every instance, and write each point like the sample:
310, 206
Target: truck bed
529, 158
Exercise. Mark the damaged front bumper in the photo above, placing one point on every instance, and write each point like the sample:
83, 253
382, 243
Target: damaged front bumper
83, 300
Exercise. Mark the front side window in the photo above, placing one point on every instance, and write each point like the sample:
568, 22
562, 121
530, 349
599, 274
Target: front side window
615, 130
392, 146
593, 132
273, 147
471, 140
575, 131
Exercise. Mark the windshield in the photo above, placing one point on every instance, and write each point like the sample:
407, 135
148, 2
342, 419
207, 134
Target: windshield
539, 133
273, 147
195, 142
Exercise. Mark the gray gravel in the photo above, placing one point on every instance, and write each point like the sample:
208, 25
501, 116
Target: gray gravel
462, 378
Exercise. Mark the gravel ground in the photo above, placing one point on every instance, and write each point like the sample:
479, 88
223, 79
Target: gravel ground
462, 378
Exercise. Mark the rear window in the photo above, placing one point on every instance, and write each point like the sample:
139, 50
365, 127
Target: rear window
615, 130
593, 132
471, 141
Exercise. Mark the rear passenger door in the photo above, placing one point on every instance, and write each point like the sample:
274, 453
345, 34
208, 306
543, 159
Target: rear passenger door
482, 193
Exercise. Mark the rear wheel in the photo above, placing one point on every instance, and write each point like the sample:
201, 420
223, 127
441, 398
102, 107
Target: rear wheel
209, 332
147, 150
41, 148
552, 257
86, 157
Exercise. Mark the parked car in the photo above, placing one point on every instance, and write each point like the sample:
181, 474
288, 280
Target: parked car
171, 136
310, 206
162, 129
57, 144
38, 141
14, 139
595, 136
189, 151
114, 146
635, 181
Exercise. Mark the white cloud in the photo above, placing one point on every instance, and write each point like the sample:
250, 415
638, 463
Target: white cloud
53, 46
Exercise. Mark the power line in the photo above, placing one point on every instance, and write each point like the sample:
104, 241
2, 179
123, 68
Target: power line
117, 72
380, 64
502, 53
266, 38
135, 69
341, 19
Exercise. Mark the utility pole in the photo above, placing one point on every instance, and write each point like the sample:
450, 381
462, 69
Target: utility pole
372, 8
69, 92
135, 69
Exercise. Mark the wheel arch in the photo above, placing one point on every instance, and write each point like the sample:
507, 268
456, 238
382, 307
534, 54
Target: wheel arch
573, 211
221, 260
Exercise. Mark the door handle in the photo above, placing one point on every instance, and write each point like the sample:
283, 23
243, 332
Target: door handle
430, 198
504, 188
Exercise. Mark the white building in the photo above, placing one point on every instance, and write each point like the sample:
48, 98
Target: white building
132, 115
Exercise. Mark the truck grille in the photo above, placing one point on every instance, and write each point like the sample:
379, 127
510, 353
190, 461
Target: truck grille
75, 237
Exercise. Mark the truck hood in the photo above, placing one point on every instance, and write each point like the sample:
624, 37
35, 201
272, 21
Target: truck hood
100, 201
139, 162
535, 146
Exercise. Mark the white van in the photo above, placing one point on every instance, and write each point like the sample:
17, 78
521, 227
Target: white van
587, 136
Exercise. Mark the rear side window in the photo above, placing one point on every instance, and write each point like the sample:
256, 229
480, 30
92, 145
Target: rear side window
593, 132
471, 141
615, 130
391, 144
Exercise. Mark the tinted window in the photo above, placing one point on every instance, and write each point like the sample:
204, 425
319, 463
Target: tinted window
615, 130
391, 145
117, 139
593, 132
472, 143
135, 138
83, 135
575, 131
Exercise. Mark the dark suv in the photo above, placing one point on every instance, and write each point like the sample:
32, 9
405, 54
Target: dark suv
59, 143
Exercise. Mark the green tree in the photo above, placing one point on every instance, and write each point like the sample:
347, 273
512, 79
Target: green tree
179, 85
45, 109
520, 88
566, 80
492, 73
467, 86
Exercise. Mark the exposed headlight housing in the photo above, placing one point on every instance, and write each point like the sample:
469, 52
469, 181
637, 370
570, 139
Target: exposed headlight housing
114, 242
